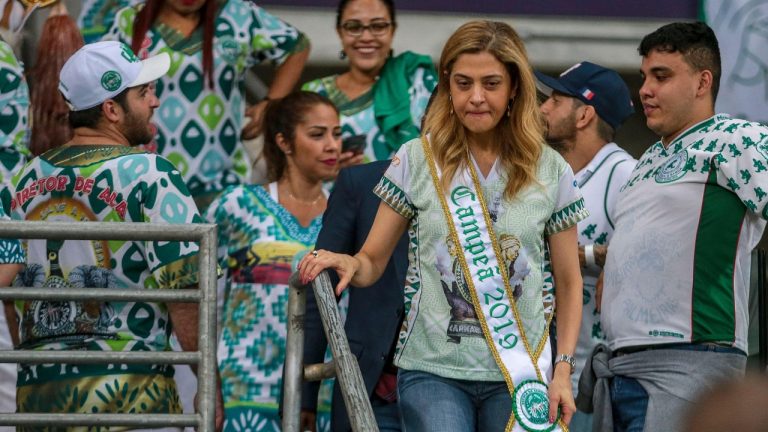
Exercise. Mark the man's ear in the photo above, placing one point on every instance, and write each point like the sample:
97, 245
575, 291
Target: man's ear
705, 83
585, 117
112, 111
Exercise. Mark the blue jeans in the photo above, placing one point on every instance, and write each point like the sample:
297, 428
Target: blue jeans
432, 403
629, 400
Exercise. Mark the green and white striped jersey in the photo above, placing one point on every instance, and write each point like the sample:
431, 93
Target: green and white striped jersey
686, 221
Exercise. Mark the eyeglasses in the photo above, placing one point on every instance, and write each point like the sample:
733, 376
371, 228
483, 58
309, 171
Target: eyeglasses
356, 28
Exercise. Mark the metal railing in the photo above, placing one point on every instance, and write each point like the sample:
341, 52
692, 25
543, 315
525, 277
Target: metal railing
205, 295
344, 365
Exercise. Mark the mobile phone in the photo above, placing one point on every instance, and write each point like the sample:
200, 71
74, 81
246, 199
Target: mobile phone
354, 144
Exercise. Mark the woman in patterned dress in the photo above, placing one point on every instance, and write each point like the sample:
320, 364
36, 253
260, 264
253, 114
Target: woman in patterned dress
381, 97
261, 228
475, 332
212, 43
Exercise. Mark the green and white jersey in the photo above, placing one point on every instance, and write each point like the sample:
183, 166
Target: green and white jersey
198, 128
599, 182
441, 332
14, 107
107, 183
686, 222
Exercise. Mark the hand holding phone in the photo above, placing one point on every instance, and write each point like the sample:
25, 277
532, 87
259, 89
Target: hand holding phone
354, 144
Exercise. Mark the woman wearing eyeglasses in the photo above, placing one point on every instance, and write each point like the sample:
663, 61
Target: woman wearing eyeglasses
382, 97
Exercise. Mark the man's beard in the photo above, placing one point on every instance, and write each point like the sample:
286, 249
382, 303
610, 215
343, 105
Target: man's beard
563, 143
559, 145
136, 130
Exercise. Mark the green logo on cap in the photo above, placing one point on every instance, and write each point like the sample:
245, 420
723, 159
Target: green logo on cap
111, 81
127, 54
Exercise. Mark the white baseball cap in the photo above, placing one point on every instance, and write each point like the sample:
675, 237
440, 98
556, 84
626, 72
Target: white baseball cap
100, 71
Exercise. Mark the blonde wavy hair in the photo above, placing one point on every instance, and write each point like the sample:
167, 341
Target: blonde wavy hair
520, 136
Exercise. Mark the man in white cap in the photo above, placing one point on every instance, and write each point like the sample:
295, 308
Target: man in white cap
100, 176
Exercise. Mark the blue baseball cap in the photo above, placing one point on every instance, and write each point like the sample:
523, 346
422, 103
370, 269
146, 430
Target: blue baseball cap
597, 86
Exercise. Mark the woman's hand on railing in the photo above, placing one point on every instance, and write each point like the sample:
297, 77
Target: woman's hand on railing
318, 260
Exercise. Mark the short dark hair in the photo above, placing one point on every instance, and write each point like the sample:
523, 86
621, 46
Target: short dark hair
604, 130
90, 117
281, 117
695, 41
389, 4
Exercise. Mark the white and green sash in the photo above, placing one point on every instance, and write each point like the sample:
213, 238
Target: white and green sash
471, 228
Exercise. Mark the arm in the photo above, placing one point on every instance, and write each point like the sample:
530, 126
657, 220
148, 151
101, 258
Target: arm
568, 292
366, 266
598, 251
7, 273
286, 77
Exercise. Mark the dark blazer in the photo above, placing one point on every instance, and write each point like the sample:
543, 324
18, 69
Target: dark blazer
374, 312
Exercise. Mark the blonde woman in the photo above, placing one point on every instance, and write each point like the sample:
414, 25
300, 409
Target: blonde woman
473, 352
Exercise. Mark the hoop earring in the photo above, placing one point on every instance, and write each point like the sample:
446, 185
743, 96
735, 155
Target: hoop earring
342, 55
509, 106
450, 101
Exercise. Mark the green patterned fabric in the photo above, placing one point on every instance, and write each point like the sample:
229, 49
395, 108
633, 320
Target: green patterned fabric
441, 333
359, 117
96, 17
199, 127
113, 184
391, 101
258, 243
14, 107
10, 249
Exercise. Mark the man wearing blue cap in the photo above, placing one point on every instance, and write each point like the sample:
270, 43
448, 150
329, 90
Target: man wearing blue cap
99, 175
586, 105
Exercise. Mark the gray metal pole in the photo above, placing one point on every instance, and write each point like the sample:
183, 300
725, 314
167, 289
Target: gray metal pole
208, 370
103, 231
294, 355
143, 421
347, 370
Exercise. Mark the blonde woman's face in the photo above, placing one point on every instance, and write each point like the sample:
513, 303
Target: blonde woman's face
480, 88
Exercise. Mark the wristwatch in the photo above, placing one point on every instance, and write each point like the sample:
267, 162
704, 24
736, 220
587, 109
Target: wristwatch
566, 359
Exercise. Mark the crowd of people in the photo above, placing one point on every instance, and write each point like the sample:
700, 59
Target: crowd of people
509, 266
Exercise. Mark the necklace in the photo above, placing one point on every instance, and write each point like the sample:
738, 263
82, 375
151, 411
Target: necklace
306, 203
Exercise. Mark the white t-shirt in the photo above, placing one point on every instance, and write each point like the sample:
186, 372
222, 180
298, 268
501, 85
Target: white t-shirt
599, 182
679, 261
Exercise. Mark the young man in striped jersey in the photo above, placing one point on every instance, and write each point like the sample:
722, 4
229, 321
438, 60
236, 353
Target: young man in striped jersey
586, 105
674, 305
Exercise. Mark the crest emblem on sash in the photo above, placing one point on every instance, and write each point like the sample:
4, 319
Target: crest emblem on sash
531, 406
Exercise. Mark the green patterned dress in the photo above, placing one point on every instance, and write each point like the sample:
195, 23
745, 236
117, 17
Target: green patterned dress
198, 127
112, 184
258, 242
14, 107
